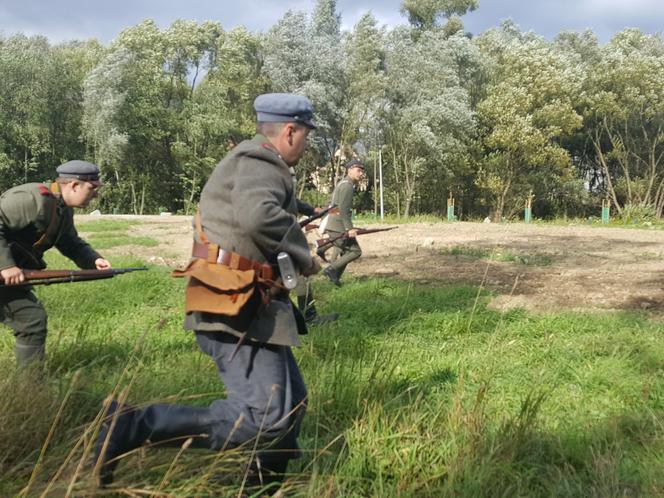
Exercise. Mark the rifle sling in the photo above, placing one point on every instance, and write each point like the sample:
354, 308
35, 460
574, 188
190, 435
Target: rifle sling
52, 226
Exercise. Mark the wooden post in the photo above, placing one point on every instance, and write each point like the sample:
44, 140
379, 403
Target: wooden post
528, 211
450, 208
606, 211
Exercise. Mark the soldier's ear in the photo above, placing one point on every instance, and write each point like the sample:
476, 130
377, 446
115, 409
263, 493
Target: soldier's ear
290, 132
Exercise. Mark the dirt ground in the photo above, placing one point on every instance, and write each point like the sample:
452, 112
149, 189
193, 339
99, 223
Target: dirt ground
567, 267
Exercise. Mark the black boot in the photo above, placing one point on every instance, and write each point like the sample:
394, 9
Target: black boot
333, 275
28, 354
312, 317
130, 428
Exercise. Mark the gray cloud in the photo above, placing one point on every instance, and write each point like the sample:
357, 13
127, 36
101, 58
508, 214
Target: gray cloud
79, 19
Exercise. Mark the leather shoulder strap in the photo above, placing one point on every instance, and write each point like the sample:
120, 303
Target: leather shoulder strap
53, 224
199, 228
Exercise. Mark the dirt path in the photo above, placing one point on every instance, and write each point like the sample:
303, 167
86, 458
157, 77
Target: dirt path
540, 268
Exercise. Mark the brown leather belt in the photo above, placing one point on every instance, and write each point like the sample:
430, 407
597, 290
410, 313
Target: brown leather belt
214, 254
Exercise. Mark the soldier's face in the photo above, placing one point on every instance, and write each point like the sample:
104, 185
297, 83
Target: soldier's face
297, 141
356, 174
79, 193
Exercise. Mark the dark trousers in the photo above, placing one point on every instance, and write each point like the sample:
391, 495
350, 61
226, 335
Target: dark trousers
344, 251
266, 396
24, 314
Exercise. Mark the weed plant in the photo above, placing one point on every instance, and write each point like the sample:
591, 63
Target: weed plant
414, 392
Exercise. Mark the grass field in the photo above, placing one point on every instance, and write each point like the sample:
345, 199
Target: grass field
422, 392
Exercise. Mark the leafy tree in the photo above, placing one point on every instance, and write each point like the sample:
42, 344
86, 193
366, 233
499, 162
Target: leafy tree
304, 55
23, 135
528, 108
426, 14
429, 119
221, 113
624, 117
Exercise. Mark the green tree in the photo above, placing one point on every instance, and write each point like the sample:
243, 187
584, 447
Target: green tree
624, 119
527, 109
429, 122
426, 14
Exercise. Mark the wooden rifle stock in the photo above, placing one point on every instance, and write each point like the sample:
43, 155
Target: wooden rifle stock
47, 277
323, 245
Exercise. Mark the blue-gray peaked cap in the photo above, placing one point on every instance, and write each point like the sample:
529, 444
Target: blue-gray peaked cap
284, 108
79, 170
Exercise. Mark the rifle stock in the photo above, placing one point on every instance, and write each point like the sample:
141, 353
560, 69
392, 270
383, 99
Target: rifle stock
47, 277
323, 245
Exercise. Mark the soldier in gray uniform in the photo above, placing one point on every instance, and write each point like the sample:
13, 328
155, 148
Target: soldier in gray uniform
33, 218
247, 217
345, 249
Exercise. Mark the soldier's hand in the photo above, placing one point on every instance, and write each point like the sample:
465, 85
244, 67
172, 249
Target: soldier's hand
315, 267
12, 275
352, 233
102, 264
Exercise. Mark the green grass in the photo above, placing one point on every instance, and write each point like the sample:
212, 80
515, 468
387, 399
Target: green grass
393, 219
106, 234
415, 392
499, 255
106, 225
107, 240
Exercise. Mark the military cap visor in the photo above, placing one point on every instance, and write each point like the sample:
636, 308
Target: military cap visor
79, 170
354, 164
284, 108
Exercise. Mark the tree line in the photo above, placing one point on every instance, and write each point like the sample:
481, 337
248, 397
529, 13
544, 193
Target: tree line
492, 117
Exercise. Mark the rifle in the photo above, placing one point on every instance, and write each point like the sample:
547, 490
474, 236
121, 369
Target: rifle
331, 210
323, 245
48, 277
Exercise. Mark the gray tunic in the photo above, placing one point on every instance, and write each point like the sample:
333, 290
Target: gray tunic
248, 206
343, 198
27, 212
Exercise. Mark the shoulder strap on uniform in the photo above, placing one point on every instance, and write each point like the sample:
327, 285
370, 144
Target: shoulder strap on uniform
199, 228
53, 224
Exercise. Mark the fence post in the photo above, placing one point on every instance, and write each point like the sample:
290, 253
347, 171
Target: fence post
529, 208
606, 210
450, 208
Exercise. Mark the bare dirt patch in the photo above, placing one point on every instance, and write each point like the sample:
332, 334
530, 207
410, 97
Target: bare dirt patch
547, 268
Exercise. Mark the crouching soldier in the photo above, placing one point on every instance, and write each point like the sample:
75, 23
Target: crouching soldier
33, 218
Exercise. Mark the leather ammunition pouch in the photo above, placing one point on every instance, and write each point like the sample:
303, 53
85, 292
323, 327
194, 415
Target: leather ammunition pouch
224, 282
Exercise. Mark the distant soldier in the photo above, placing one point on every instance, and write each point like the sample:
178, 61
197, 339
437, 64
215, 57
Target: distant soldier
345, 249
33, 218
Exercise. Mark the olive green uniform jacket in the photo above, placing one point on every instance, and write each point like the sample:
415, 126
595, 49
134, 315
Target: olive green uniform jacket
248, 206
32, 220
343, 198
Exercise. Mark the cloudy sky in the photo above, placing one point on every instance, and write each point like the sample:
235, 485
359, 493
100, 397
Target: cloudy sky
80, 19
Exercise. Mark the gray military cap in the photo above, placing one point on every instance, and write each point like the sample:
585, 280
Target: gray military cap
354, 163
284, 108
79, 170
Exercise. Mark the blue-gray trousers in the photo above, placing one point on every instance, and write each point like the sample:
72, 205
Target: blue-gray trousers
265, 396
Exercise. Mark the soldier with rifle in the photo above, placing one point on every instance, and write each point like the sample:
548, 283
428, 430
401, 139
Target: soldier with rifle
340, 226
33, 218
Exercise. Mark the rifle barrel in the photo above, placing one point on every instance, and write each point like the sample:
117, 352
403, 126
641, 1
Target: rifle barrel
47, 277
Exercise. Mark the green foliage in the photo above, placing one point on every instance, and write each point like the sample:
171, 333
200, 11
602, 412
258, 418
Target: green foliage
490, 118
